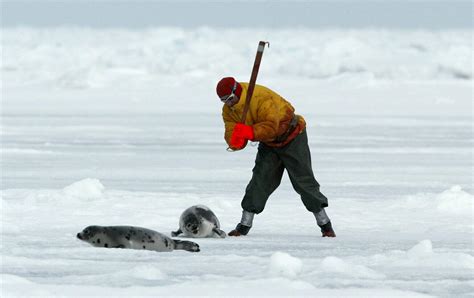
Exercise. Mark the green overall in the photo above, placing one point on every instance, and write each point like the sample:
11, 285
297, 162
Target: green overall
270, 164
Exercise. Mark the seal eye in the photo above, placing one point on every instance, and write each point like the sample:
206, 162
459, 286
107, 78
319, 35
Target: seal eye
87, 232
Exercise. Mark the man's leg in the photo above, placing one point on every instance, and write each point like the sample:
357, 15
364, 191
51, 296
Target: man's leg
266, 177
296, 158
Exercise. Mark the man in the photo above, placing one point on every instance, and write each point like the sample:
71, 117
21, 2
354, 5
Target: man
283, 145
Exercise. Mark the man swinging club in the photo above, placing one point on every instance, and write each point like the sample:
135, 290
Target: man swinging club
283, 145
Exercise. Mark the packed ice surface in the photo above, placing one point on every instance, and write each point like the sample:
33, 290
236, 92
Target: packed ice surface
117, 127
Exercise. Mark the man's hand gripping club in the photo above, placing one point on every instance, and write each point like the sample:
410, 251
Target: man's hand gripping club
241, 134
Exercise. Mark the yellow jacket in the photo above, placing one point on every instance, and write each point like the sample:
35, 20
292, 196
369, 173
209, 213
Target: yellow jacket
269, 115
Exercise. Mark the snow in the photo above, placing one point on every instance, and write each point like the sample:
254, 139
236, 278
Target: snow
285, 265
338, 267
86, 188
420, 250
122, 127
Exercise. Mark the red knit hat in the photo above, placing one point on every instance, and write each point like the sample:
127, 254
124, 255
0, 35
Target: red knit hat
225, 86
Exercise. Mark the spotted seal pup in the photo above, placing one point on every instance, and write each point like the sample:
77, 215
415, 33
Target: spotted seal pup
133, 238
199, 222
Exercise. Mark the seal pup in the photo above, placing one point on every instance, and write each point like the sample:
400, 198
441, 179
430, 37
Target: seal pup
133, 238
199, 222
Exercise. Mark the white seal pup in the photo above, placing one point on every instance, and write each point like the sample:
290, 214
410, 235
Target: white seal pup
133, 238
199, 222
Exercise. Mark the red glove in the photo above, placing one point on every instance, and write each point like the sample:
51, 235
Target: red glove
240, 135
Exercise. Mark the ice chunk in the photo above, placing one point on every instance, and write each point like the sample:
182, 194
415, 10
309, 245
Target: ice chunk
337, 265
283, 264
455, 200
451, 202
422, 258
422, 249
85, 189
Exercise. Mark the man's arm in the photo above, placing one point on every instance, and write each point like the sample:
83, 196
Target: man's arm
266, 125
229, 124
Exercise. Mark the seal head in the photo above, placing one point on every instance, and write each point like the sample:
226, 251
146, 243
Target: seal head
199, 222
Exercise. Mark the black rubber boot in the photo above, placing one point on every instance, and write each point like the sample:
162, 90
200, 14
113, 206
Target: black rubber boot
240, 230
327, 230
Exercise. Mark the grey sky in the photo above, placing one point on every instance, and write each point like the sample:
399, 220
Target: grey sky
402, 14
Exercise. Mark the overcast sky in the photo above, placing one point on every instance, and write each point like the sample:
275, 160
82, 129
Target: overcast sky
401, 14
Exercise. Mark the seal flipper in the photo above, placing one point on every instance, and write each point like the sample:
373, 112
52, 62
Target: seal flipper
186, 245
175, 234
219, 232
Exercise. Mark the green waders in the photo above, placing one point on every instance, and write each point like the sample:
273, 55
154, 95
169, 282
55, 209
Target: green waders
270, 164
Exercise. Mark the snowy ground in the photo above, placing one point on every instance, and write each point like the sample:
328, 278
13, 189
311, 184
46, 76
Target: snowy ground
122, 127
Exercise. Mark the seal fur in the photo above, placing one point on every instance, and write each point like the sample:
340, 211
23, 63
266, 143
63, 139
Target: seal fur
133, 238
199, 222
